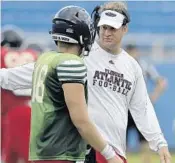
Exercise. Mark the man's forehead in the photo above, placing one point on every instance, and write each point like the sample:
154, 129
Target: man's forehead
107, 26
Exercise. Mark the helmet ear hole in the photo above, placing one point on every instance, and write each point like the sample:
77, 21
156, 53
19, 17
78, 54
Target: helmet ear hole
84, 33
56, 42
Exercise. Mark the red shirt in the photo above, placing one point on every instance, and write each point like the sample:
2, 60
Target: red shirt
17, 132
15, 114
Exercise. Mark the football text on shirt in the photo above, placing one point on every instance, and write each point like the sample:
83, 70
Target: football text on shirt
113, 80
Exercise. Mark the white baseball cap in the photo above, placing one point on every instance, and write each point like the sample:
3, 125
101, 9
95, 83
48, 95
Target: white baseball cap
111, 18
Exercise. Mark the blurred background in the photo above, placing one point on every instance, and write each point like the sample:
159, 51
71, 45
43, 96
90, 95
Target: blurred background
151, 33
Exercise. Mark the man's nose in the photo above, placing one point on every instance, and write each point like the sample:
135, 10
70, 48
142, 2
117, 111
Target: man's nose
107, 32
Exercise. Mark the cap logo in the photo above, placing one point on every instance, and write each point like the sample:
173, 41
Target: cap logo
69, 30
110, 14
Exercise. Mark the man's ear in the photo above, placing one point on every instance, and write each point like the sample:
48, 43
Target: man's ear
125, 29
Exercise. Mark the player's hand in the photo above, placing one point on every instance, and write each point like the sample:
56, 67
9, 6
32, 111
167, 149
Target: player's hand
164, 154
116, 159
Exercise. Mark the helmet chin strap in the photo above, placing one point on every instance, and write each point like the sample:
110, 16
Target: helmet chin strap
85, 52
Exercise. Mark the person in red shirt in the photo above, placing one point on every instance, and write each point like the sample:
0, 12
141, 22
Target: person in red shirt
16, 142
15, 111
13, 106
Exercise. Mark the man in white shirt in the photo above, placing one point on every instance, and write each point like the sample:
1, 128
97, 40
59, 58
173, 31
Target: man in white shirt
116, 84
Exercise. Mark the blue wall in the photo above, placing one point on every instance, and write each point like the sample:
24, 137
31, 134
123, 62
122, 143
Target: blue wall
165, 107
154, 17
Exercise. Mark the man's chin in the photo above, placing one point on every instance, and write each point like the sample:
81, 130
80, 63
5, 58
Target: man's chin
108, 45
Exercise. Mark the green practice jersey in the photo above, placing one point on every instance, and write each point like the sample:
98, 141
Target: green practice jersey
53, 135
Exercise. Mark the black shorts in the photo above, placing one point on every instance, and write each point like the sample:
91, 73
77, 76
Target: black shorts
90, 157
132, 125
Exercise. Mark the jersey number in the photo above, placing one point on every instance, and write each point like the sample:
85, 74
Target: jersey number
38, 85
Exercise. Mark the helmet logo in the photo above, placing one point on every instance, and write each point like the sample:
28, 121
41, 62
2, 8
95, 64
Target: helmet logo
69, 30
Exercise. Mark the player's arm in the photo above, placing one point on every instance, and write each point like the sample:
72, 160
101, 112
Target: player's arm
73, 76
160, 83
17, 78
145, 118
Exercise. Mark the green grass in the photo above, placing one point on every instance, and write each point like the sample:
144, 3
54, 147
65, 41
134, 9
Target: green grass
135, 158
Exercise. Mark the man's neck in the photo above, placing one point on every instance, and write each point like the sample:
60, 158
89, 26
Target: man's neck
68, 50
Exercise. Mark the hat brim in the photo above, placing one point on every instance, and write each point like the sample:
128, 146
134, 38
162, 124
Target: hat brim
113, 24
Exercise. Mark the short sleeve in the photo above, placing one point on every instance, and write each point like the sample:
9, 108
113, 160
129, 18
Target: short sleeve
72, 71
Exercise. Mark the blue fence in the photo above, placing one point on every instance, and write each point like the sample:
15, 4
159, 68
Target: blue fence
165, 107
154, 17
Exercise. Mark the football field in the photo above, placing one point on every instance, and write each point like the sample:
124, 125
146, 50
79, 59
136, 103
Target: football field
135, 158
